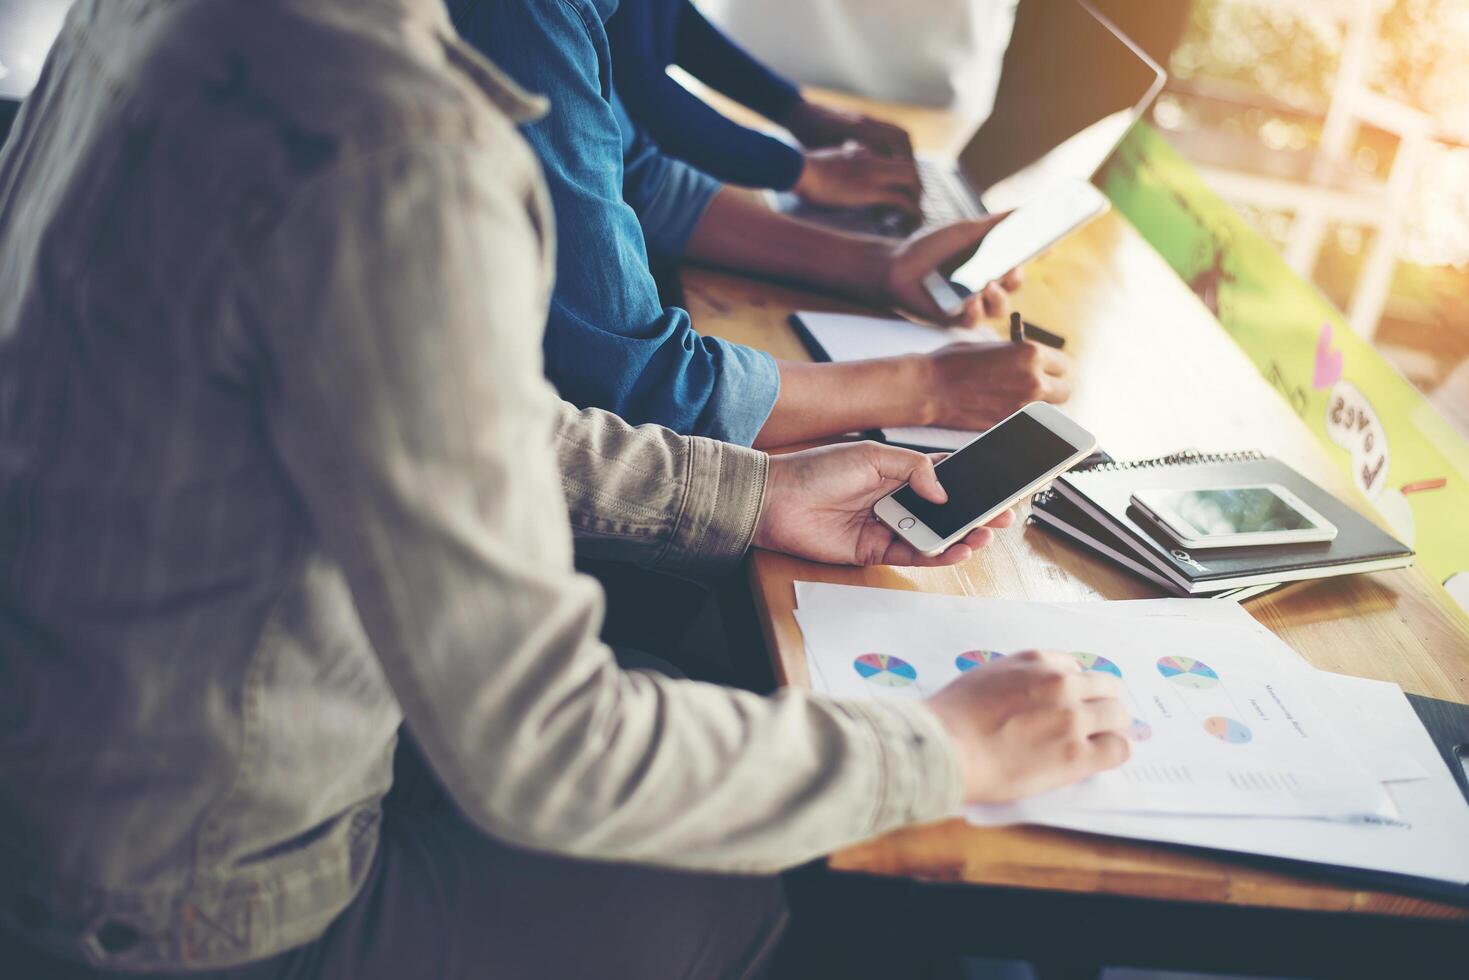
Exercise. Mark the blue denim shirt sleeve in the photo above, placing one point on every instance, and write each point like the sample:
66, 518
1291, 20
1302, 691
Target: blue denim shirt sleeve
610, 343
668, 195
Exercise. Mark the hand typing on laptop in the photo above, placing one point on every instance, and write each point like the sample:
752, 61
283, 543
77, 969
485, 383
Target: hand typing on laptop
852, 175
818, 125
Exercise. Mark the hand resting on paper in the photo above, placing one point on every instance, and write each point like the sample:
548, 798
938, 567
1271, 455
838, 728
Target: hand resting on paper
818, 505
1030, 723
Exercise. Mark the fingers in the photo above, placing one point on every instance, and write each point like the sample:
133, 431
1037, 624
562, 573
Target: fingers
894, 171
1052, 388
1049, 372
1052, 361
906, 466
1003, 520
955, 554
970, 313
902, 553
851, 175
1103, 715
899, 201
1093, 685
1106, 750
925, 481
954, 244
875, 170
996, 302
885, 138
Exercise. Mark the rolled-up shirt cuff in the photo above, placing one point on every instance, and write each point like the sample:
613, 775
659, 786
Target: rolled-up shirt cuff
723, 493
920, 777
671, 213
743, 398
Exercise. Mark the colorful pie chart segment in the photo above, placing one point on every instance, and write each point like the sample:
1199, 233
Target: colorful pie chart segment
1227, 730
1094, 661
970, 659
1139, 730
1188, 672
885, 671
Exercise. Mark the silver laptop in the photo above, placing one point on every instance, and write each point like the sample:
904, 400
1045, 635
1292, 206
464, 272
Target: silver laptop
1069, 92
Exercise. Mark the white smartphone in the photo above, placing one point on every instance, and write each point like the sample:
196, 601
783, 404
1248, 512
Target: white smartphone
1027, 232
1004, 465
1234, 517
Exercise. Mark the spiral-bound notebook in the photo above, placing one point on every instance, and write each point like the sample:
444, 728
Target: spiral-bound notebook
1102, 494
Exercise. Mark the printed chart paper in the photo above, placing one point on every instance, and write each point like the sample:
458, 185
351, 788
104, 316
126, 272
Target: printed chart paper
1429, 839
1425, 838
1223, 723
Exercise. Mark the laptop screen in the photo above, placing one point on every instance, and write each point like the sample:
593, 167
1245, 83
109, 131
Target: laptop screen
1070, 87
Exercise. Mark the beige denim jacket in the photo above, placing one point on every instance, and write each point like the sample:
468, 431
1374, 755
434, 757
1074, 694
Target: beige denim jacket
279, 470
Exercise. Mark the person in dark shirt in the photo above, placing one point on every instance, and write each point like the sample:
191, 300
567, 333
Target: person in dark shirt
846, 159
622, 204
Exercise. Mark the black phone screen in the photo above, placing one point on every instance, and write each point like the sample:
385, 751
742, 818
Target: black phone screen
989, 471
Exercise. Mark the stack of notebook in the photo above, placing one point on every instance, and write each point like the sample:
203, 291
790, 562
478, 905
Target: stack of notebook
1092, 506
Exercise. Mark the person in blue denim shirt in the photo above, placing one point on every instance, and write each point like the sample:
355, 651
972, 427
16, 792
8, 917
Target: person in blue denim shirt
621, 202
845, 159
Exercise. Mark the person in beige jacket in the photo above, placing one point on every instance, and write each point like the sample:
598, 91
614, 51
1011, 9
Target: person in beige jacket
280, 478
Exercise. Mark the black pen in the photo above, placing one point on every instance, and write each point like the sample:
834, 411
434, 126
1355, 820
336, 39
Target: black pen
1023, 330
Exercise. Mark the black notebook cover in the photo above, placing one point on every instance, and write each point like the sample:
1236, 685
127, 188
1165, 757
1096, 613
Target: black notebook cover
1060, 516
1104, 492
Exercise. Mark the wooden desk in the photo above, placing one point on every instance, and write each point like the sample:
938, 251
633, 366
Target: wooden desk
1154, 373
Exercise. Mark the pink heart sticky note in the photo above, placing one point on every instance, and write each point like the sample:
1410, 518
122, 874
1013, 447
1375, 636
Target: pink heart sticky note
1328, 361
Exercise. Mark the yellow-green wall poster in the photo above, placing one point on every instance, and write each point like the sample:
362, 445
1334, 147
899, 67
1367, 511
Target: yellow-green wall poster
1402, 454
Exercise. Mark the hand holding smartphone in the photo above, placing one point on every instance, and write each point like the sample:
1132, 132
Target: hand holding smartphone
988, 476
1027, 232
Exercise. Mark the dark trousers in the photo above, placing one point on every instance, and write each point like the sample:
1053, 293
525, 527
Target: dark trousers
445, 902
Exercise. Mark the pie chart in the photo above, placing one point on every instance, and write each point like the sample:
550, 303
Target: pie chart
1095, 661
970, 659
1188, 672
1139, 730
1227, 730
885, 671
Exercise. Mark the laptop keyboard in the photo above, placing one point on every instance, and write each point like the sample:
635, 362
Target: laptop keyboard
945, 198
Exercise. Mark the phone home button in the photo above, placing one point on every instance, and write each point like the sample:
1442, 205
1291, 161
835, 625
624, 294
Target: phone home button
906, 523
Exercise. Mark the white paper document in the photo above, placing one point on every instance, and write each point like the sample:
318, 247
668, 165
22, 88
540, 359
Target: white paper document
1380, 726
845, 337
1239, 744
1428, 839
1222, 723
